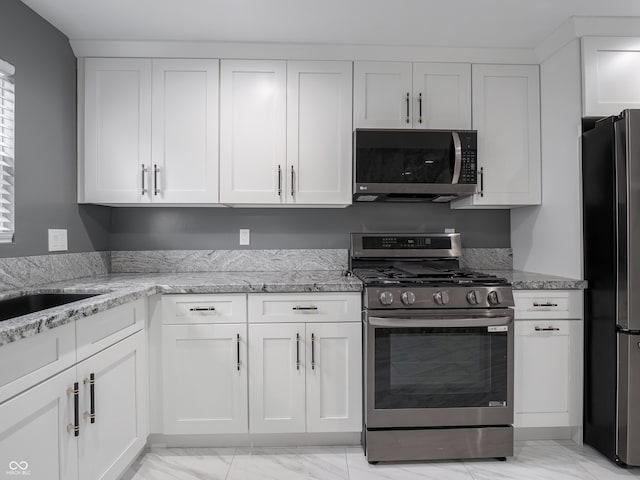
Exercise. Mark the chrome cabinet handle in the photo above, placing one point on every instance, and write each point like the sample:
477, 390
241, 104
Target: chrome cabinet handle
313, 352
75, 426
482, 181
202, 309
91, 381
407, 99
548, 304
238, 351
279, 181
144, 174
297, 351
156, 170
420, 108
546, 329
298, 308
292, 180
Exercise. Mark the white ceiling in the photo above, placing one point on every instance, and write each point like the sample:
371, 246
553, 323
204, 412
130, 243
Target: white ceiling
457, 23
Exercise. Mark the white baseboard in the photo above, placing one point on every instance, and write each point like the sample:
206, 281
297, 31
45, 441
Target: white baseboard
255, 440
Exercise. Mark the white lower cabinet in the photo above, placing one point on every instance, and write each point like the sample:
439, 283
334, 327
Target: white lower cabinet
34, 440
205, 378
38, 427
277, 378
548, 359
118, 432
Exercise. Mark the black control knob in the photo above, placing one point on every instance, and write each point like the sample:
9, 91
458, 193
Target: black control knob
473, 297
441, 298
386, 298
408, 298
493, 298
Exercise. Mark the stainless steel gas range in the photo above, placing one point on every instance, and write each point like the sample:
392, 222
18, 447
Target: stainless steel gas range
438, 346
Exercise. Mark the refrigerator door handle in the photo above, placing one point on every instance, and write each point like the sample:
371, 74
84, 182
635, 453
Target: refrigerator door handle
620, 149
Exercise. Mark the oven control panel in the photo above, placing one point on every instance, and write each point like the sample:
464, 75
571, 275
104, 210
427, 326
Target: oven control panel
438, 297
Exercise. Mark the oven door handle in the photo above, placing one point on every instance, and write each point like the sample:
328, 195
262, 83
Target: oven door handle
439, 322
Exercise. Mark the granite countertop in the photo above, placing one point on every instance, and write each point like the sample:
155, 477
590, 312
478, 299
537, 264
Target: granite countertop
538, 281
117, 289
120, 288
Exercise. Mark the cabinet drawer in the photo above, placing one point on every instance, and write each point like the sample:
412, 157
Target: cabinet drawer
304, 307
190, 309
533, 304
31, 360
103, 329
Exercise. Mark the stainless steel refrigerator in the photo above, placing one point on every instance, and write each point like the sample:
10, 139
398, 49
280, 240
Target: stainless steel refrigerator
611, 214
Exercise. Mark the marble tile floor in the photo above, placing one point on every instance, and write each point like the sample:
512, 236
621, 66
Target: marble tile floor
539, 460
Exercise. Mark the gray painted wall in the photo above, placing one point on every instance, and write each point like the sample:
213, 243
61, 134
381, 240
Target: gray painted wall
45, 137
217, 228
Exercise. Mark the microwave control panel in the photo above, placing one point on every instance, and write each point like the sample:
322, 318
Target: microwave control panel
469, 164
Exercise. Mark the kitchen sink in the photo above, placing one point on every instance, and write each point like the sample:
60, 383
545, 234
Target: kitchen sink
15, 307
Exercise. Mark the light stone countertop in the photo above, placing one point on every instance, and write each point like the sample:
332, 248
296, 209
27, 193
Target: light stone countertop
120, 288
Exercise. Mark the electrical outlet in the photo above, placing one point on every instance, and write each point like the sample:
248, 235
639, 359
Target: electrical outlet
449, 230
245, 238
58, 240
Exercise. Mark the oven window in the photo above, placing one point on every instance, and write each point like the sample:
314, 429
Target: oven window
391, 157
440, 368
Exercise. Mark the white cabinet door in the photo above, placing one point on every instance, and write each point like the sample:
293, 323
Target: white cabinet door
611, 75
382, 94
334, 377
277, 378
117, 130
547, 375
185, 131
120, 429
34, 440
506, 114
205, 379
319, 133
252, 131
442, 95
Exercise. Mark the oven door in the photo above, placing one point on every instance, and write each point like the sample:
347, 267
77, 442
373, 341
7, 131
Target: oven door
439, 370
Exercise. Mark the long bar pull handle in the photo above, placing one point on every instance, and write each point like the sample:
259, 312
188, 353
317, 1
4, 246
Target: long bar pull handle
279, 181
156, 170
143, 175
546, 329
313, 352
548, 304
292, 181
238, 351
457, 160
75, 426
407, 100
202, 309
420, 108
297, 351
482, 181
298, 308
91, 414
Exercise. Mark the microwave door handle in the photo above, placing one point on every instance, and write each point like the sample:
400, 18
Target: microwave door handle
426, 322
457, 147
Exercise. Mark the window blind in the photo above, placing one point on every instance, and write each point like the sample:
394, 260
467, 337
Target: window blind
7, 152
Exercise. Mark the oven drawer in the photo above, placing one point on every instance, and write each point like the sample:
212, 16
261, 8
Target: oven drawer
304, 307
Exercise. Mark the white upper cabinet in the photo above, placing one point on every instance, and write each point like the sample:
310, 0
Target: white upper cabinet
412, 95
611, 75
185, 131
252, 131
150, 131
382, 94
285, 132
117, 130
319, 132
506, 114
442, 95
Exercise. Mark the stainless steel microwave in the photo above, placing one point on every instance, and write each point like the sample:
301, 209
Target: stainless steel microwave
414, 165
